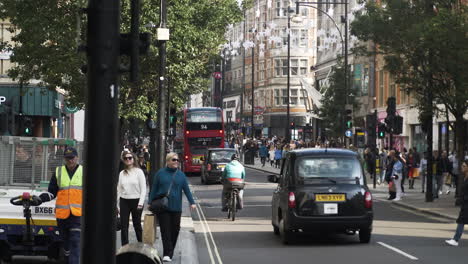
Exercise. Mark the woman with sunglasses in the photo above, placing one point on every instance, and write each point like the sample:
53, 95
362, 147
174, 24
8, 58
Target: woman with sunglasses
170, 180
131, 192
463, 216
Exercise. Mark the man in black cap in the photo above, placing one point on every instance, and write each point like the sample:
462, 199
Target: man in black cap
66, 185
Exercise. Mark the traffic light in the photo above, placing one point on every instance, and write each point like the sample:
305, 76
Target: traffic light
348, 118
381, 130
27, 126
391, 106
371, 122
397, 125
293, 126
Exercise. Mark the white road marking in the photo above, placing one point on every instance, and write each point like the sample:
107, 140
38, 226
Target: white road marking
215, 248
205, 235
398, 251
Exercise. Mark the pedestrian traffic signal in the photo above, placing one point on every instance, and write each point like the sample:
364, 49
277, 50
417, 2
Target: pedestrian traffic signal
381, 130
293, 126
27, 126
348, 119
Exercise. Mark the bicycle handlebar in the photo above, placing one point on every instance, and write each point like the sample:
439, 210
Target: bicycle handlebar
26, 200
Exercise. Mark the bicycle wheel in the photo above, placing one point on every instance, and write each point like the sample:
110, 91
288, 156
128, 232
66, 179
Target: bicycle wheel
233, 205
229, 207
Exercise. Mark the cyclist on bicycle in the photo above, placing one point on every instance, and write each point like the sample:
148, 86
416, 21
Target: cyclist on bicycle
234, 172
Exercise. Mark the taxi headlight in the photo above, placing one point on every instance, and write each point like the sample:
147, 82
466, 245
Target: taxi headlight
2, 230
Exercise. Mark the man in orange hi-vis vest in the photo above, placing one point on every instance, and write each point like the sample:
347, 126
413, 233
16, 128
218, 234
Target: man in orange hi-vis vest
66, 185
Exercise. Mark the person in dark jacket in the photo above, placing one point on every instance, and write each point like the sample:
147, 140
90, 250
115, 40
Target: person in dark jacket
263, 152
169, 220
463, 216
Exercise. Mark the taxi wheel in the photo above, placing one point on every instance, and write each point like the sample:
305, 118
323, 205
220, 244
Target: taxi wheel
286, 235
365, 235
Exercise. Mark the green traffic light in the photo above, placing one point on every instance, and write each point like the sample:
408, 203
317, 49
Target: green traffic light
349, 124
26, 130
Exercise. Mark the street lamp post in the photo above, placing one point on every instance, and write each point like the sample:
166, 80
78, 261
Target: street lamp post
252, 132
343, 41
288, 85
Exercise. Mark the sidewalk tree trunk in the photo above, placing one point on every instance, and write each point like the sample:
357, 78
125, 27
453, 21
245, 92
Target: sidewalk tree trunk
425, 48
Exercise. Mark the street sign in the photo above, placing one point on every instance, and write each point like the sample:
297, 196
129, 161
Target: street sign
349, 133
217, 75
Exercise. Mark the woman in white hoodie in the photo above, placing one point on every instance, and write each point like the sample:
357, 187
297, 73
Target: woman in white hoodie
131, 192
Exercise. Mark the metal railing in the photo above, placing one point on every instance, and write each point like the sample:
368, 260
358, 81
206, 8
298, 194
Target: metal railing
31, 162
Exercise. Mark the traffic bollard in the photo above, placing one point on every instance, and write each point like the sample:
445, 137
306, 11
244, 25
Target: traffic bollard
138, 253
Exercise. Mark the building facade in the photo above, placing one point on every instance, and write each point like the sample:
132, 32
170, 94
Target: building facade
258, 69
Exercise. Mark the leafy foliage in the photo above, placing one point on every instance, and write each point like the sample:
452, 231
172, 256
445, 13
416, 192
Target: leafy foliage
333, 101
425, 47
49, 33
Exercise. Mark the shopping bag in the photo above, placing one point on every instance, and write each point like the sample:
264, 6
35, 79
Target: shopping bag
448, 178
149, 229
391, 186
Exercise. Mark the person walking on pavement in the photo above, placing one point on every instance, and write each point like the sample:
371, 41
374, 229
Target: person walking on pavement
263, 152
131, 192
463, 216
271, 154
66, 185
444, 167
383, 160
234, 170
397, 175
169, 220
278, 155
423, 171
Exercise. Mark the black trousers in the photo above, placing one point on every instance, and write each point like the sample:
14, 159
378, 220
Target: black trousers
128, 206
169, 223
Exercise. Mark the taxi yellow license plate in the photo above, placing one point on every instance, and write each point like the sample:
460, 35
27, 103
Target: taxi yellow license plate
221, 167
330, 197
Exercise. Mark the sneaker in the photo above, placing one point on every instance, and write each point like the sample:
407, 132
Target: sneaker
440, 192
452, 242
447, 192
166, 259
397, 199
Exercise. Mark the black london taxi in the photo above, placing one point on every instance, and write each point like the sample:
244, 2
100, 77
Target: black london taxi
321, 190
214, 161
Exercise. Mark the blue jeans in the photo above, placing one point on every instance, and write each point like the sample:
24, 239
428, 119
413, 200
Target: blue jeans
70, 231
459, 232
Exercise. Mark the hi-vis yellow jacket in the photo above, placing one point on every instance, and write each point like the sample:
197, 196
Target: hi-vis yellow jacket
70, 193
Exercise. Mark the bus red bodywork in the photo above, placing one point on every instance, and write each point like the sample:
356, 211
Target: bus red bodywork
203, 129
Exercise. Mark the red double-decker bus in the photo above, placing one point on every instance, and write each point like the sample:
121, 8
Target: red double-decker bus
203, 129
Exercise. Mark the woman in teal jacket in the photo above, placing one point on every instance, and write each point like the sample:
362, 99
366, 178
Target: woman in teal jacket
169, 220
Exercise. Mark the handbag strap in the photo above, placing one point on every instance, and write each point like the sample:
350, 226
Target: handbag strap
170, 186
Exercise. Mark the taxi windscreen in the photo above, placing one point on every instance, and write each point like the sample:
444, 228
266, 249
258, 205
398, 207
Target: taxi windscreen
328, 167
221, 155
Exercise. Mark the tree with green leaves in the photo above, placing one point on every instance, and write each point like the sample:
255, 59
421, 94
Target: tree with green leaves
425, 47
49, 34
333, 101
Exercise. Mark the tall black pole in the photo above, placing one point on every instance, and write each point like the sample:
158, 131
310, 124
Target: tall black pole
101, 134
428, 120
252, 132
288, 123
162, 104
243, 81
346, 61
